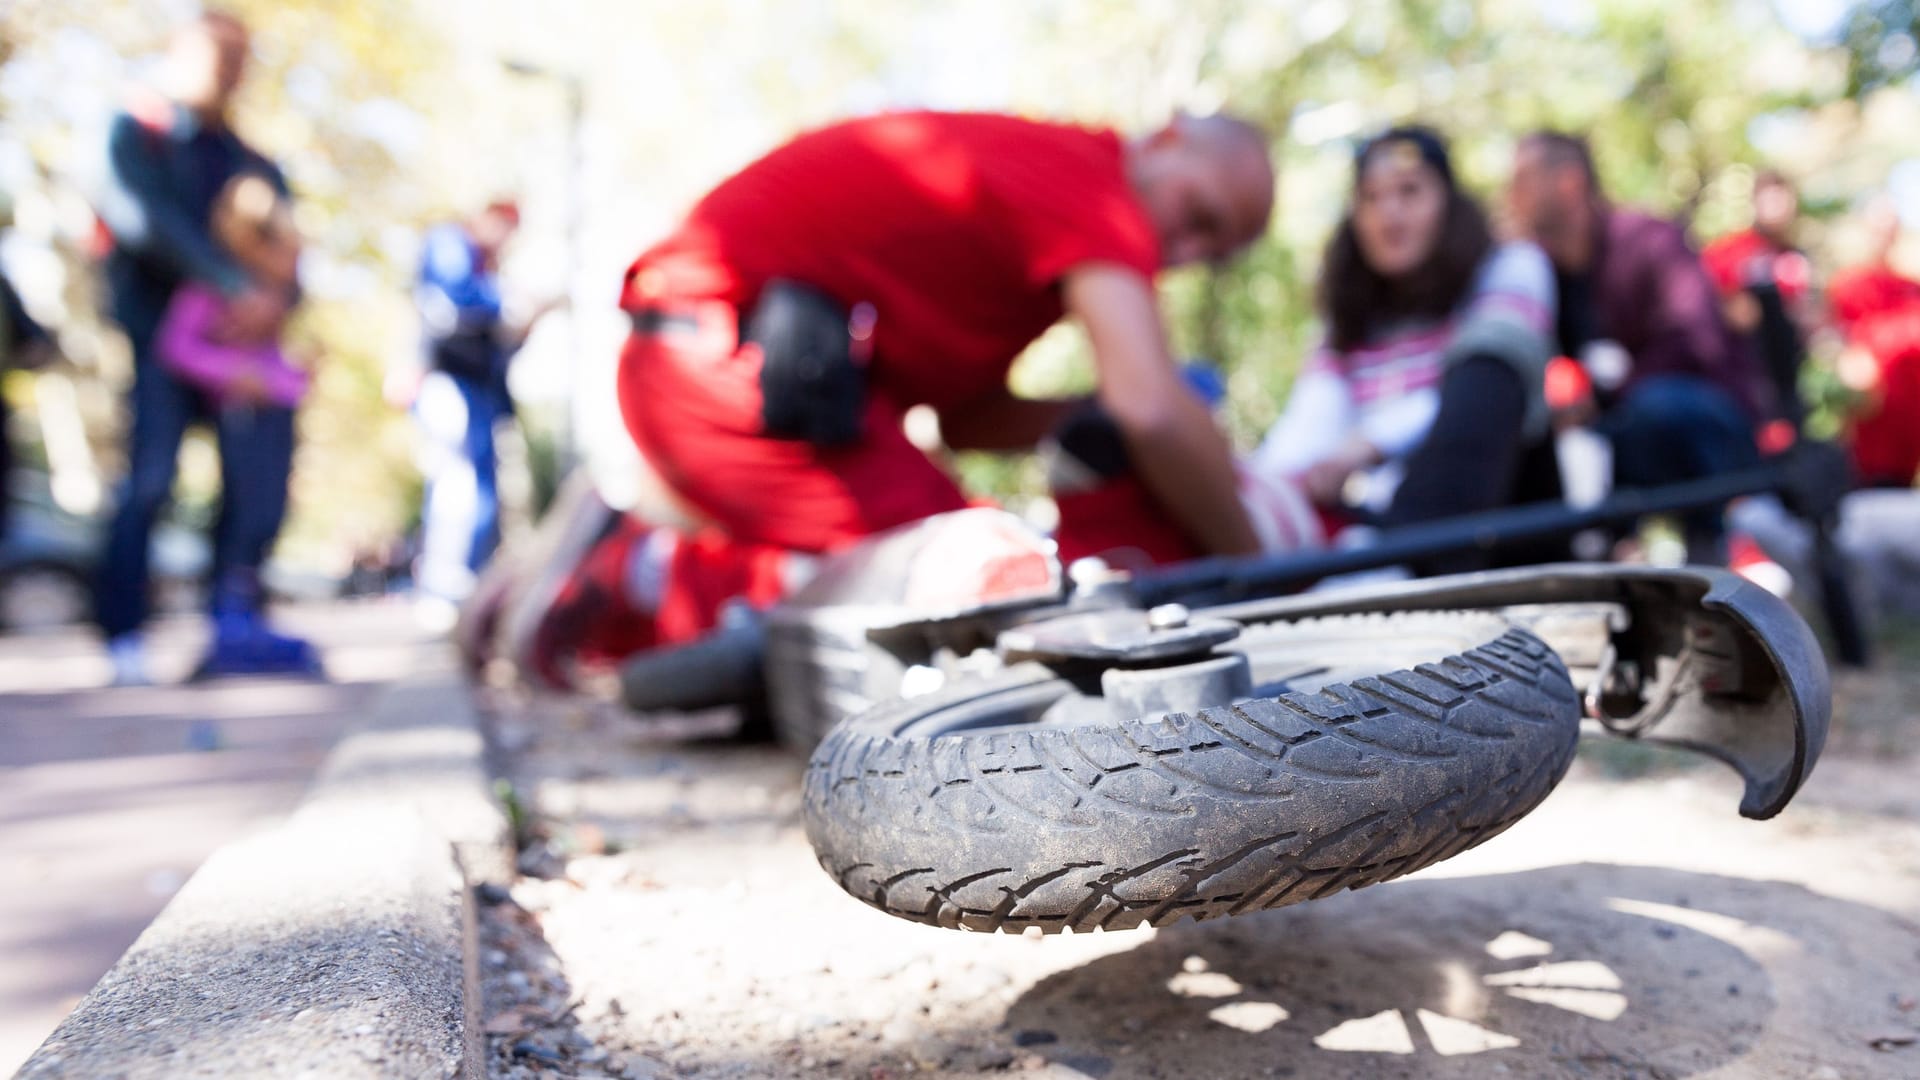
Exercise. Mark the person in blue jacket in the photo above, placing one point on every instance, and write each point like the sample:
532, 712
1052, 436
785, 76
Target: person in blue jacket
461, 400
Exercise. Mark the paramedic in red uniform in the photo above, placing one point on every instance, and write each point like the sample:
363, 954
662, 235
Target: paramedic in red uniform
1765, 253
782, 331
1877, 308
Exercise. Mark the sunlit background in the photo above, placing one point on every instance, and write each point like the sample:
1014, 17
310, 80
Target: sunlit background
605, 118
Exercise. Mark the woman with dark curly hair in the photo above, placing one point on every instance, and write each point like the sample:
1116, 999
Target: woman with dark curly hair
1425, 401
1428, 385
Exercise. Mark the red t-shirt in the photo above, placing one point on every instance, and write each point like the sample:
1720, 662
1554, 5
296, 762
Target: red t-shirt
1864, 292
1879, 310
957, 228
1740, 259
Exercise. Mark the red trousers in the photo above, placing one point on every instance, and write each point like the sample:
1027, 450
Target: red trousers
690, 395
1885, 436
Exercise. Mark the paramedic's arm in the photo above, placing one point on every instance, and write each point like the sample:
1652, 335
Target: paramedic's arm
1001, 421
1178, 453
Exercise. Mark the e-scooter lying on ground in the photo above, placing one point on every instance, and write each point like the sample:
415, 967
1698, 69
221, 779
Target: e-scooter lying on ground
1121, 767
1093, 749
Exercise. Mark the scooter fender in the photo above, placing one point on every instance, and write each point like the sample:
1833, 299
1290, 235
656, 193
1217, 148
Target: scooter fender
1691, 657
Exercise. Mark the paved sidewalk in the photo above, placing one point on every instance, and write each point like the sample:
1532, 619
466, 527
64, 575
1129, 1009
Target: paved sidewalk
110, 798
673, 922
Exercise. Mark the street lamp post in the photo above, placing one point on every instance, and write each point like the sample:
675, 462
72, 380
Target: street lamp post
573, 87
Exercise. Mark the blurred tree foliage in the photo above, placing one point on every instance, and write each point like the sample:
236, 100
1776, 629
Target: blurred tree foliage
1880, 38
391, 113
320, 77
1670, 95
1666, 93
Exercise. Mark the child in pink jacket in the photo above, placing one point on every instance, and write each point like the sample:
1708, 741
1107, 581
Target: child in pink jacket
255, 225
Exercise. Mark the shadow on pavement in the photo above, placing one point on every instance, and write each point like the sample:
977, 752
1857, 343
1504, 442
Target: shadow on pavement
1581, 970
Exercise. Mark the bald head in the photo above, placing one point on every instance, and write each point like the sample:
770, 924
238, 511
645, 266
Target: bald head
1207, 183
205, 62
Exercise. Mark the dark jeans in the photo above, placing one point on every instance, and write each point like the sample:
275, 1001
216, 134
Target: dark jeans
256, 459
486, 407
1671, 428
1476, 458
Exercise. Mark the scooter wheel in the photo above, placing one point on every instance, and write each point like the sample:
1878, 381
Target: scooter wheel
722, 668
1372, 746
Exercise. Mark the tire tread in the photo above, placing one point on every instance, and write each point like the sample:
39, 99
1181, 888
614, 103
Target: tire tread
1099, 826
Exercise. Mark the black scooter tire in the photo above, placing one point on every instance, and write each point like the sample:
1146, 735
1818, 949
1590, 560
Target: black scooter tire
951, 811
721, 669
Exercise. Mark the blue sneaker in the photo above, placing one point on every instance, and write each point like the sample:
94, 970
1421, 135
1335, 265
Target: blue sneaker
242, 645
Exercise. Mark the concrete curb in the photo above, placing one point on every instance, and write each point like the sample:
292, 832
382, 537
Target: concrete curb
339, 944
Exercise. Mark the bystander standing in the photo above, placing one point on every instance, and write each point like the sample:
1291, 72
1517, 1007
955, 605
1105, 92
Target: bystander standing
1678, 394
458, 392
170, 158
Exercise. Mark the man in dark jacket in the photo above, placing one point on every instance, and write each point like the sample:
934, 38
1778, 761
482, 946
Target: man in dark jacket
1678, 393
168, 160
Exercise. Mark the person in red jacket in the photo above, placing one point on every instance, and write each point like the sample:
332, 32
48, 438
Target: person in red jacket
1762, 254
1748, 269
783, 330
1877, 308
